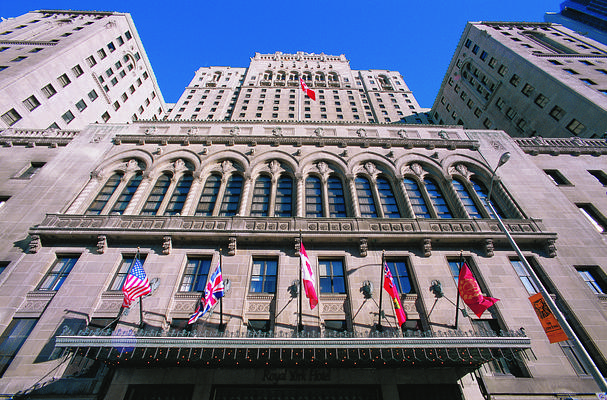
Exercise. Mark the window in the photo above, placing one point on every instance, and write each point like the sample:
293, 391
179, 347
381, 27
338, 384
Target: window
263, 276
365, 198
81, 105
31, 170
556, 177
179, 196
510, 113
261, 196
58, 273
527, 89
68, 117
575, 127
156, 196
418, 204
11, 117
127, 194
502, 70
387, 198
105, 116
284, 197
573, 356
501, 366
104, 195
49, 91
195, 275
466, 199
400, 274
313, 197
64, 80
91, 61
209, 196
18, 59
557, 113
331, 276
600, 176
231, 197
13, 337
481, 192
437, 199
111, 47
475, 49
77, 70
524, 276
541, 100
593, 216
31, 103
515, 80
123, 270
499, 103
258, 326
337, 201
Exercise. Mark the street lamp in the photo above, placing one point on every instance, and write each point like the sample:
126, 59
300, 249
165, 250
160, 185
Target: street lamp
584, 356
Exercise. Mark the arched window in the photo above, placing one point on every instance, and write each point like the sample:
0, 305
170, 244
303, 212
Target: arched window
209, 196
437, 199
332, 77
280, 76
387, 199
313, 197
365, 198
179, 195
337, 201
481, 192
284, 197
155, 198
267, 76
127, 194
293, 76
261, 196
104, 195
231, 196
466, 199
420, 208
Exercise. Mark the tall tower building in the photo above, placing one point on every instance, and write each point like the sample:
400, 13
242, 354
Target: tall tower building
269, 90
588, 17
67, 69
528, 79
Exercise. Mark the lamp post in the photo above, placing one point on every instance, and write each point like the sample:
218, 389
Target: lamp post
584, 356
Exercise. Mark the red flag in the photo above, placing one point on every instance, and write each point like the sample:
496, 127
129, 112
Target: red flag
471, 293
308, 277
307, 90
394, 295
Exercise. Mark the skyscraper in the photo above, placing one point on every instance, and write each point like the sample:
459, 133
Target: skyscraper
587, 17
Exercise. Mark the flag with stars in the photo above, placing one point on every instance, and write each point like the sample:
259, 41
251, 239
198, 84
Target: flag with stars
136, 284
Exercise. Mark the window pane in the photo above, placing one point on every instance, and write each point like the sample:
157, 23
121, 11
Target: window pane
386, 196
127, 194
261, 197
209, 196
195, 275
313, 197
123, 270
331, 274
365, 198
481, 192
12, 339
58, 273
263, 276
231, 197
466, 199
104, 195
400, 274
284, 197
337, 201
157, 195
179, 195
437, 199
524, 276
418, 204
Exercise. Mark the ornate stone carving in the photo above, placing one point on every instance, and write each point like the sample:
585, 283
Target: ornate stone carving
192, 131
167, 245
427, 247
363, 247
488, 247
297, 246
274, 167
361, 133
417, 169
402, 133
462, 169
371, 168
227, 167
179, 165
319, 132
235, 131
551, 247
150, 131
35, 244
101, 244
232, 246
323, 168
277, 131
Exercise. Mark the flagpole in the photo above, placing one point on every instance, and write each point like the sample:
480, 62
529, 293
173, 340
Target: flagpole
300, 323
221, 298
140, 298
381, 292
299, 106
461, 261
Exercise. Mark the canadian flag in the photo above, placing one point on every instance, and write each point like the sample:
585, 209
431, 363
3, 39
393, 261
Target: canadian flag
307, 90
308, 276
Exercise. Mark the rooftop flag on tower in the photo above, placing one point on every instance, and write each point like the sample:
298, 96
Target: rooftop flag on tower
311, 94
136, 284
213, 291
307, 276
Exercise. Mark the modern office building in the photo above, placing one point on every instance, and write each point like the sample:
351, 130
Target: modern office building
587, 17
68, 69
528, 79
269, 90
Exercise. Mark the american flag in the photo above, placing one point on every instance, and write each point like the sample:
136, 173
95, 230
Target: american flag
213, 291
136, 284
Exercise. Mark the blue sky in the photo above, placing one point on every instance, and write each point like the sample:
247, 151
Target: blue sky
416, 38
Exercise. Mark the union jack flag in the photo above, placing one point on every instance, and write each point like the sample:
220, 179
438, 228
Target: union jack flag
213, 291
136, 284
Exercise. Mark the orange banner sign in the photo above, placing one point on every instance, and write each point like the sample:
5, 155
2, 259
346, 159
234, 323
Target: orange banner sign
551, 326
